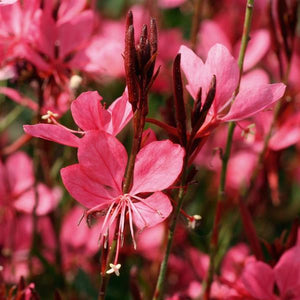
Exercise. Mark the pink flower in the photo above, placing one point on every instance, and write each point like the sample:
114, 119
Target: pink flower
78, 243
17, 187
251, 99
88, 114
96, 182
259, 278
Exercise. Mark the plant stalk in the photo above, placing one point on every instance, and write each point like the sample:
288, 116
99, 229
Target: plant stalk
225, 158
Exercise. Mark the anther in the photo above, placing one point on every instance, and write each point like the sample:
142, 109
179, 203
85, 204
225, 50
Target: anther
114, 269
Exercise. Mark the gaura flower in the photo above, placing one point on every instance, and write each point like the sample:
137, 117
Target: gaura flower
89, 114
96, 182
251, 99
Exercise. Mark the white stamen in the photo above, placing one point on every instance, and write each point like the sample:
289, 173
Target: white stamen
49, 115
114, 269
192, 224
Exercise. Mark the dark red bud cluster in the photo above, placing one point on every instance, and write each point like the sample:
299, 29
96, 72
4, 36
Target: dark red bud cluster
139, 61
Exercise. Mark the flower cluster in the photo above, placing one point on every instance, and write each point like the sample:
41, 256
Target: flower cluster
130, 150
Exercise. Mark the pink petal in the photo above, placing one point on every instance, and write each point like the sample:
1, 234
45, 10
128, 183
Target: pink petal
20, 174
47, 200
52, 133
3, 185
257, 48
11, 17
234, 261
69, 9
210, 34
105, 158
252, 100
157, 166
170, 3
79, 238
85, 188
192, 67
287, 273
222, 64
88, 112
47, 35
258, 279
148, 137
121, 114
153, 211
7, 2
75, 33
287, 135
253, 77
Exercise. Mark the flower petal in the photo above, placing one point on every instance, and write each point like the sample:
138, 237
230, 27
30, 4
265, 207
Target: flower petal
20, 174
152, 211
211, 33
88, 113
192, 67
52, 133
222, 64
287, 273
258, 46
75, 33
104, 157
258, 279
121, 114
84, 188
157, 166
47, 200
253, 99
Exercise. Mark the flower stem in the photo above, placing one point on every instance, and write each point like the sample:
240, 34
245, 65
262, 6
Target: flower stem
196, 23
158, 294
225, 158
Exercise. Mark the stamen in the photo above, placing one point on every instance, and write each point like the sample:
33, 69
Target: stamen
131, 228
193, 221
145, 202
49, 116
114, 268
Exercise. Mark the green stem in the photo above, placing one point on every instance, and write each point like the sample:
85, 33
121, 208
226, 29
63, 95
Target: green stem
225, 158
11, 117
158, 294
196, 23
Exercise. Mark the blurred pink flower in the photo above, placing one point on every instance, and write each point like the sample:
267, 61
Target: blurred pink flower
7, 2
78, 242
89, 114
96, 182
17, 187
259, 278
